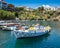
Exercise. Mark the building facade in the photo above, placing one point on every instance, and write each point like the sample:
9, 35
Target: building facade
3, 5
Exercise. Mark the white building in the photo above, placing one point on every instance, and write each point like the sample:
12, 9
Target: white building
47, 7
3, 5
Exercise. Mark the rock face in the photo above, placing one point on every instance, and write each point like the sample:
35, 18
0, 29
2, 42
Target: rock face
58, 17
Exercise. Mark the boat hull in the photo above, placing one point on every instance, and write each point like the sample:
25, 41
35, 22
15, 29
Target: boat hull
28, 34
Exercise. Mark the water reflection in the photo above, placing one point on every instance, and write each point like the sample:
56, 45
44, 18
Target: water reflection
30, 42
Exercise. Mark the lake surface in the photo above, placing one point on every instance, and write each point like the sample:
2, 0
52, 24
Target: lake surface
50, 40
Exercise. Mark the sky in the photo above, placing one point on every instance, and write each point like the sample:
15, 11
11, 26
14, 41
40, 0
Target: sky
33, 3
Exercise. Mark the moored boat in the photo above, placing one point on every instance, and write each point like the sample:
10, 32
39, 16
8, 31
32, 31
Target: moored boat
31, 32
2, 23
9, 27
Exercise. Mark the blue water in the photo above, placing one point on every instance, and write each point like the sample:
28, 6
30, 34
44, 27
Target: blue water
50, 40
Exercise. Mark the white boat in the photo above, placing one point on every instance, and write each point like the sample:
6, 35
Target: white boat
2, 23
10, 28
32, 32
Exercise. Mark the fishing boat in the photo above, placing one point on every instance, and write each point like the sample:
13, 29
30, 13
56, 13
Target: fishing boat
31, 32
9, 27
2, 23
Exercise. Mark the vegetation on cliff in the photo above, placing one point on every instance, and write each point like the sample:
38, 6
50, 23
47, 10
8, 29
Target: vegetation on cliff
31, 14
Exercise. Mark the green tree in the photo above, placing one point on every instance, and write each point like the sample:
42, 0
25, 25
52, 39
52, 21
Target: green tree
10, 7
16, 14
